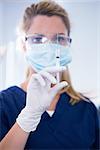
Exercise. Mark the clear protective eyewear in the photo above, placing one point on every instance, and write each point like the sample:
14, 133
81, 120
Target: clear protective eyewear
59, 38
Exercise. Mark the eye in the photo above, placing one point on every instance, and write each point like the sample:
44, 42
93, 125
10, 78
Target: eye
61, 39
36, 39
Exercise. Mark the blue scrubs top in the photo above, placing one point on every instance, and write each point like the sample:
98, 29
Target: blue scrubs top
70, 127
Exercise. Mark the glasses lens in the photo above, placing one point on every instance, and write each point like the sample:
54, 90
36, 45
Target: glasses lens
62, 40
57, 39
36, 39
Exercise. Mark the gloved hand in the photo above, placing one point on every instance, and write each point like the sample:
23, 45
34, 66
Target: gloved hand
39, 96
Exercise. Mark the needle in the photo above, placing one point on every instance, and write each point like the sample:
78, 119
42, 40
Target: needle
58, 64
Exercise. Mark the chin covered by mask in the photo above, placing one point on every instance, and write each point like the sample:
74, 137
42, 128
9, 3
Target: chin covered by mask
40, 56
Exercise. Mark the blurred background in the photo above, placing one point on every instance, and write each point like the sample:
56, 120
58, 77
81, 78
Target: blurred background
85, 34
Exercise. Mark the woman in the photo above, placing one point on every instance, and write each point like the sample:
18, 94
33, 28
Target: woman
45, 112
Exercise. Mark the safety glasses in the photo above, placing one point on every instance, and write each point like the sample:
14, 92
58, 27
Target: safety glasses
57, 39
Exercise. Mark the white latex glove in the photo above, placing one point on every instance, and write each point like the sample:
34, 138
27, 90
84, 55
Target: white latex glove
39, 96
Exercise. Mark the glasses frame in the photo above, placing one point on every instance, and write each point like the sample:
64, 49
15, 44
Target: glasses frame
69, 40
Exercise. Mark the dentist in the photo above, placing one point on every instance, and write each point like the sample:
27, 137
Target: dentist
44, 113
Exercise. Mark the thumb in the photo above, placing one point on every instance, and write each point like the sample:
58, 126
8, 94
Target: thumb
59, 87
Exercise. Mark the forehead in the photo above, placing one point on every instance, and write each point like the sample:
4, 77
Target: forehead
44, 24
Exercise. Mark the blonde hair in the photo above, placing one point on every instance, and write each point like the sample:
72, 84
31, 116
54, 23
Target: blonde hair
50, 8
47, 8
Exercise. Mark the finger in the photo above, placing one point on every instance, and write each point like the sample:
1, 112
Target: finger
39, 78
59, 87
55, 69
48, 76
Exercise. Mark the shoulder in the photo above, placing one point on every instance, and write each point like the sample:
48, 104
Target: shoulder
12, 101
84, 112
12, 98
89, 106
11, 90
11, 93
81, 118
82, 108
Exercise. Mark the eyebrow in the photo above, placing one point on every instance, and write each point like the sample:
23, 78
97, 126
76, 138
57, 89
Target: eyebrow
61, 33
50, 33
42, 35
39, 34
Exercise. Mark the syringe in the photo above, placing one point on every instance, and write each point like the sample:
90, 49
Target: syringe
58, 64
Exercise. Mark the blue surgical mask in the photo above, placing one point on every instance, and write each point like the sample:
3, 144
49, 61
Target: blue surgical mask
40, 56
